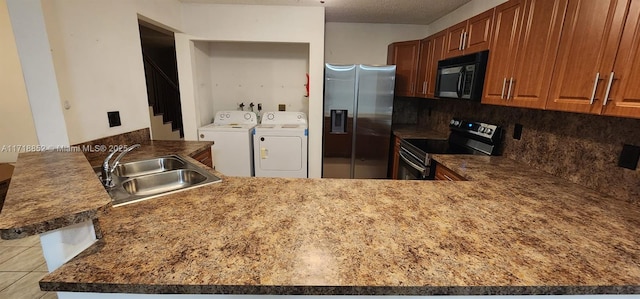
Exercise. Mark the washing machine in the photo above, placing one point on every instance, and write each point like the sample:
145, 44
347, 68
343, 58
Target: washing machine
232, 149
280, 145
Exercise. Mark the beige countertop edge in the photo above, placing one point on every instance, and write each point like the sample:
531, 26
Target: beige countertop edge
27, 230
339, 290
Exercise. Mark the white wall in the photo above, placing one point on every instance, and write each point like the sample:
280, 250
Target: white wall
266, 73
256, 23
15, 116
98, 61
364, 43
202, 80
464, 12
27, 20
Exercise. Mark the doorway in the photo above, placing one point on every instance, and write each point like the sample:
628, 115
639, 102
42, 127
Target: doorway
161, 75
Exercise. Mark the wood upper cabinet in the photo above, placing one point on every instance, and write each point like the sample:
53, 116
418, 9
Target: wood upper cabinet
586, 54
504, 45
424, 61
523, 50
405, 56
470, 36
624, 99
431, 51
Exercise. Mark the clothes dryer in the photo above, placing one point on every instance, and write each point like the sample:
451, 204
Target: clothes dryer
280, 145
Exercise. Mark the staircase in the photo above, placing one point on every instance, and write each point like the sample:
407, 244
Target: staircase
161, 130
164, 100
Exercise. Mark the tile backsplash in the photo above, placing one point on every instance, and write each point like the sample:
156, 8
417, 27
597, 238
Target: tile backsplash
581, 148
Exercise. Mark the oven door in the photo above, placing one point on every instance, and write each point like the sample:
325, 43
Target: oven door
410, 167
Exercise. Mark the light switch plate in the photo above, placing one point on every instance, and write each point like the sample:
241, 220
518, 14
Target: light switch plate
114, 118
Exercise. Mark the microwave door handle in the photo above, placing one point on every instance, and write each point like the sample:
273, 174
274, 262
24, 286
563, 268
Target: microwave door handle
460, 80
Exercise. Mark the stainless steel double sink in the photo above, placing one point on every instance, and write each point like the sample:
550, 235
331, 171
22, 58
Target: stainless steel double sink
145, 179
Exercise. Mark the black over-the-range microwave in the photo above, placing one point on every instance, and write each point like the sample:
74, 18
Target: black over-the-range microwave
462, 77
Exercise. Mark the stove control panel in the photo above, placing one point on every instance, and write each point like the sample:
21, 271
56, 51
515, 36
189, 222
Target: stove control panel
477, 128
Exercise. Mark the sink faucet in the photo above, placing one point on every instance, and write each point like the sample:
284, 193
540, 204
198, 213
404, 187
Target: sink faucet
107, 170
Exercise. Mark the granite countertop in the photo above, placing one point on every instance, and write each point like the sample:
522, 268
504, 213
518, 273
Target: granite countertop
415, 132
509, 230
51, 190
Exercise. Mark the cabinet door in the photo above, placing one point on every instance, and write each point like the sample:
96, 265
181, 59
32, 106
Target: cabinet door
425, 60
405, 57
443, 173
590, 36
504, 45
624, 99
453, 45
537, 49
438, 40
478, 34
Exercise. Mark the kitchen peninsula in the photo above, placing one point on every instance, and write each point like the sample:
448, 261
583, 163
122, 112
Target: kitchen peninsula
510, 229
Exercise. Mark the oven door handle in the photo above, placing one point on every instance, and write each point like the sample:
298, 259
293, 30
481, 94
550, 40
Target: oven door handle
412, 164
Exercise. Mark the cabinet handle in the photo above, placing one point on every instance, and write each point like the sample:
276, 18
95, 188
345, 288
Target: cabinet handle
504, 84
461, 39
447, 177
464, 40
509, 92
595, 86
606, 94
424, 87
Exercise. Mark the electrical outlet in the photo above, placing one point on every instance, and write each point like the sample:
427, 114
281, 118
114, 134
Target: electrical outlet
629, 156
282, 107
114, 118
517, 132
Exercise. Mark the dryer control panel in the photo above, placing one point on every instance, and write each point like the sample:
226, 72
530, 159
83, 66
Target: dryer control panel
284, 117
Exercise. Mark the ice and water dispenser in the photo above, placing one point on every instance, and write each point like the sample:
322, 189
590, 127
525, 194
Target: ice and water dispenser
338, 121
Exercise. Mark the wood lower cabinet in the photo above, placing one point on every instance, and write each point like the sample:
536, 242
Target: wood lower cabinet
523, 50
431, 51
404, 55
396, 158
624, 96
443, 173
204, 157
470, 36
586, 55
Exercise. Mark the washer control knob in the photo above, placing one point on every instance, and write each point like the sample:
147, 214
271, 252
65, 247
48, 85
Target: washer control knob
201, 135
270, 116
247, 116
227, 115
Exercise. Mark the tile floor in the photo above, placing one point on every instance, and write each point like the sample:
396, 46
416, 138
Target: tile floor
21, 267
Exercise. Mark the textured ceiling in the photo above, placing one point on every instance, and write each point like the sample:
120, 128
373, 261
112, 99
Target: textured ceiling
366, 11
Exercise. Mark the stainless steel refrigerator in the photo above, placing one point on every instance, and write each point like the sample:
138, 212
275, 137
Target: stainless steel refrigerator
358, 103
